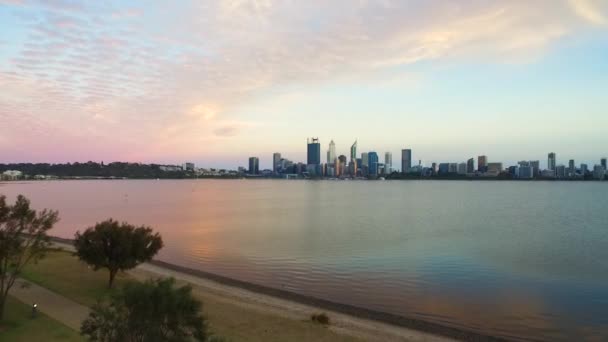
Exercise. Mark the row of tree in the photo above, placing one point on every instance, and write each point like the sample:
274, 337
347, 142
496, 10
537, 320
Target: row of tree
155, 310
93, 169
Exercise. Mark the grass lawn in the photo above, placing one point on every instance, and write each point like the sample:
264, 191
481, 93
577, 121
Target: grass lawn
63, 273
19, 326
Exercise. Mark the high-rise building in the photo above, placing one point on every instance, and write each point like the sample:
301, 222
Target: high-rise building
276, 162
365, 159
571, 168
551, 162
314, 152
462, 168
603, 163
406, 160
353, 151
471, 165
254, 165
494, 168
599, 172
373, 163
482, 164
584, 169
189, 166
388, 162
526, 171
331, 153
560, 171
536, 165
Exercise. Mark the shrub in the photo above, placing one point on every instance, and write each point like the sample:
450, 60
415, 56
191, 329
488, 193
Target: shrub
321, 318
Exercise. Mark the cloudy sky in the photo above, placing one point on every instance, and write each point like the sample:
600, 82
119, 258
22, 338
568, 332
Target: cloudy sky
217, 81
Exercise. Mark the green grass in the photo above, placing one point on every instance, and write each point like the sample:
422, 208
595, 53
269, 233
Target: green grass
62, 272
18, 325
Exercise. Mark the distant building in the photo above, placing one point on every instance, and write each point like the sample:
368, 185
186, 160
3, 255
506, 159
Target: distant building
365, 159
331, 153
406, 160
373, 163
353, 152
189, 166
443, 169
388, 162
560, 171
471, 165
254, 166
462, 168
453, 168
276, 162
536, 165
599, 172
603, 164
551, 161
494, 168
170, 168
12, 175
482, 164
584, 169
571, 168
314, 152
526, 171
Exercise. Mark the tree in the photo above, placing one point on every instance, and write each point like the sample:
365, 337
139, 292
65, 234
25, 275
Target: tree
23, 240
116, 246
147, 312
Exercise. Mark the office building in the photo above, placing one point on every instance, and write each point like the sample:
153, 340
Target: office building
314, 152
603, 164
571, 168
535, 164
560, 171
462, 168
525, 171
388, 162
443, 168
584, 169
372, 160
254, 165
353, 151
471, 165
406, 160
364, 159
482, 164
494, 168
599, 172
276, 162
331, 153
189, 166
551, 162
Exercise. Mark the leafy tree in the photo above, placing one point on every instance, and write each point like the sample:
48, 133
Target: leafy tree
116, 246
147, 312
23, 240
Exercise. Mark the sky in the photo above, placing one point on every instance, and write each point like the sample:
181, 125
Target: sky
215, 82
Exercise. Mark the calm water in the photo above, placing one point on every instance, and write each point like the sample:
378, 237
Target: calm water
513, 259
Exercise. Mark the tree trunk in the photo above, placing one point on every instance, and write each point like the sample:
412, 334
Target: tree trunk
2, 301
112, 275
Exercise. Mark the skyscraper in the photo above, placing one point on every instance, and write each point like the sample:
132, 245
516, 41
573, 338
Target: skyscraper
535, 164
373, 163
314, 152
254, 165
331, 153
276, 162
353, 151
388, 162
365, 159
571, 168
482, 163
551, 163
406, 160
471, 165
603, 163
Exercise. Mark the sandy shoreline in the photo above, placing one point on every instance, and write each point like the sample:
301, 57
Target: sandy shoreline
358, 322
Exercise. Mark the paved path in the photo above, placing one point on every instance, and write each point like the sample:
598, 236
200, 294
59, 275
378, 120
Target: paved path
52, 304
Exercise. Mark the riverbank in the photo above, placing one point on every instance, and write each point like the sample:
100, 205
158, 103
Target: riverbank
358, 323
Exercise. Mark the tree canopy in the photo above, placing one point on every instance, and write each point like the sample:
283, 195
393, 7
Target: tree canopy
150, 311
23, 239
116, 246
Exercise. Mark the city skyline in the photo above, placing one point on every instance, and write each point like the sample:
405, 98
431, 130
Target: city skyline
101, 81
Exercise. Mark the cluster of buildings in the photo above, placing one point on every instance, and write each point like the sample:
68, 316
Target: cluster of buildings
369, 165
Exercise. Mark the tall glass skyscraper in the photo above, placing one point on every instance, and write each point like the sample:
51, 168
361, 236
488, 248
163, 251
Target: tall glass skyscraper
353, 151
406, 160
276, 160
254, 165
331, 153
388, 162
551, 161
372, 162
482, 163
314, 152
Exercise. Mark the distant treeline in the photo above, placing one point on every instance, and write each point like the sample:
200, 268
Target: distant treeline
93, 169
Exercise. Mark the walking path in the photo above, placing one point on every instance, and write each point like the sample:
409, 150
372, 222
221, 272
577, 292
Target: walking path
52, 304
